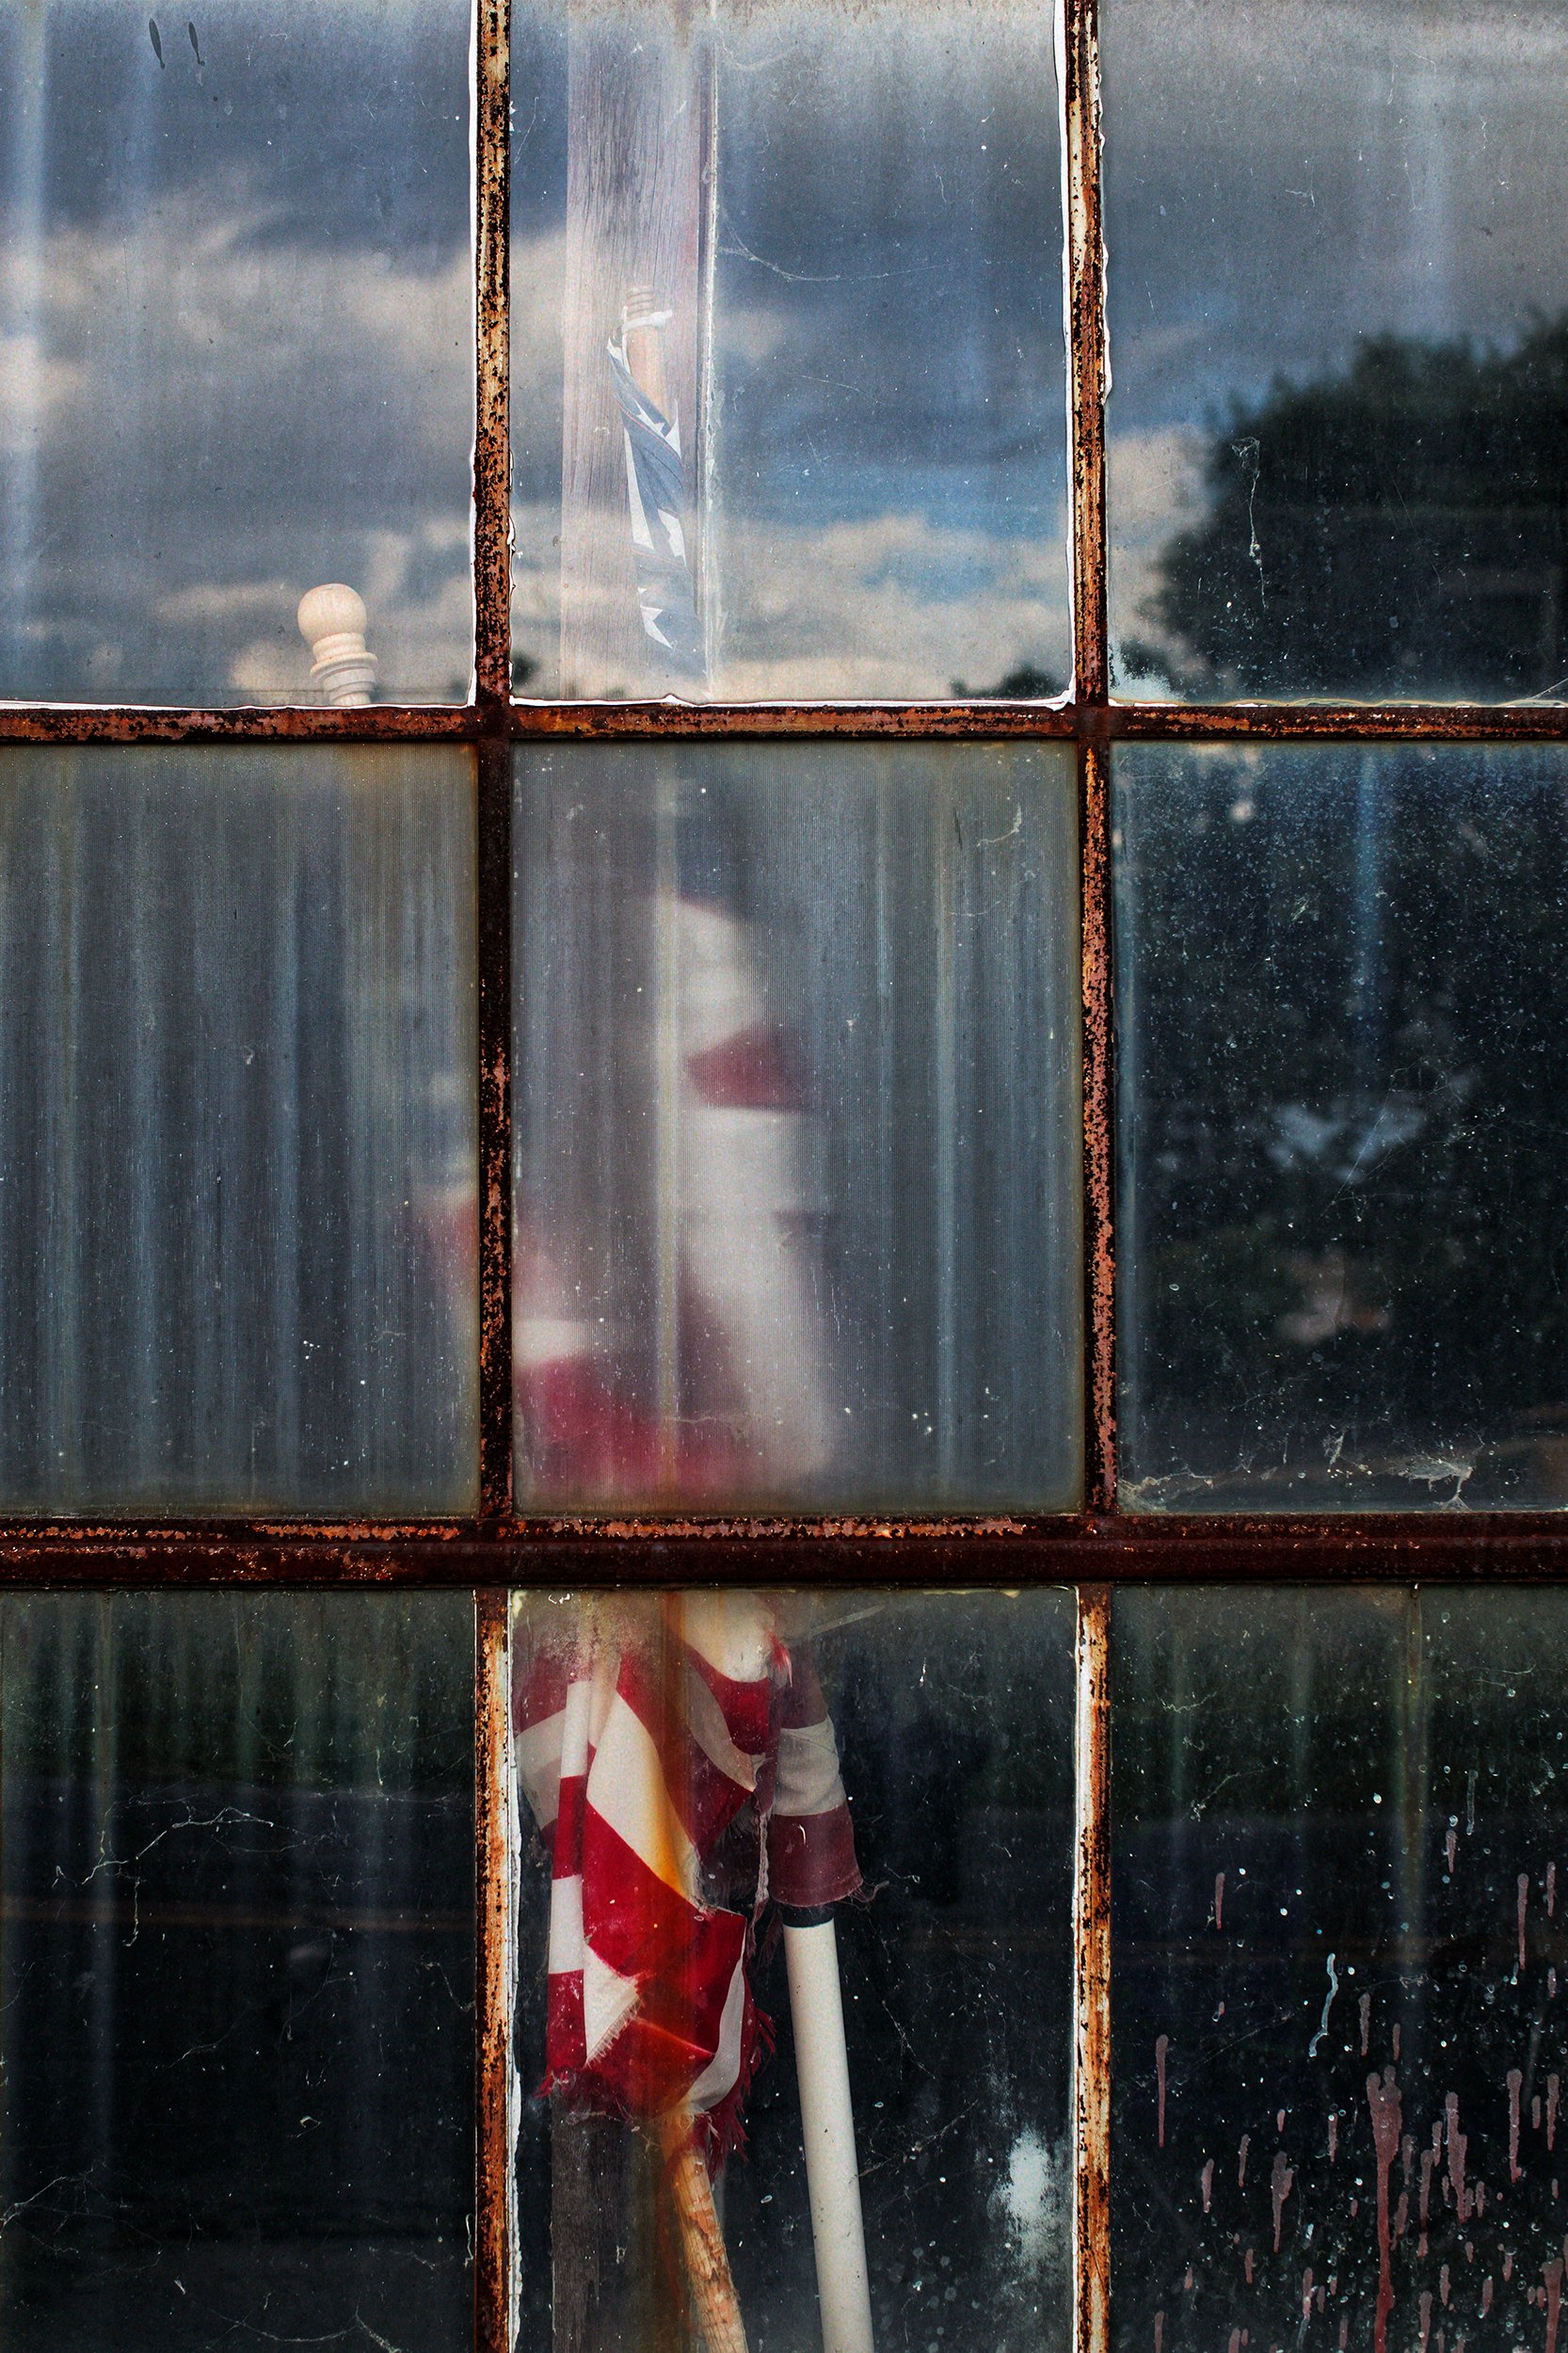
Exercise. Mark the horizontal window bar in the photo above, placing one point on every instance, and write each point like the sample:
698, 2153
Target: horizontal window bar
1383, 1547
95, 723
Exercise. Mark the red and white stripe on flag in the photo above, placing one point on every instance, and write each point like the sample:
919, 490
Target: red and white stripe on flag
639, 1738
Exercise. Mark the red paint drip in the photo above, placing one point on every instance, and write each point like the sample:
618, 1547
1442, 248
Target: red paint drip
1424, 2308
1382, 2099
1507, 2264
1365, 2007
1161, 2046
1450, 1848
1236, 2340
1524, 1899
1218, 1899
1333, 2134
1187, 2283
1247, 2263
1402, 2216
1551, 1889
1552, 2274
1280, 2181
1344, 2330
1515, 2081
1442, 2286
1206, 2180
1242, 2166
1160, 2332
1457, 2146
1485, 2297
1554, 2085
1396, 2043
1407, 2151
1307, 2294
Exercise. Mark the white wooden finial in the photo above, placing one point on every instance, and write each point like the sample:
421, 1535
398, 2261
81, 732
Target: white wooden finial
332, 623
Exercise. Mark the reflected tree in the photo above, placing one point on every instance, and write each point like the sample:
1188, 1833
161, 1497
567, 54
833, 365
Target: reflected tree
1397, 527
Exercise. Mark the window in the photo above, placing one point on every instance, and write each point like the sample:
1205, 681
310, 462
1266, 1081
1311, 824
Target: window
868, 1039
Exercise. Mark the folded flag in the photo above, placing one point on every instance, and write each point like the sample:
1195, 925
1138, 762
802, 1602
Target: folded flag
680, 1765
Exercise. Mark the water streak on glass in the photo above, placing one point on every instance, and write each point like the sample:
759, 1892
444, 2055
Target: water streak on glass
798, 1128
1338, 312
237, 1160
235, 345
1342, 998
236, 1968
788, 362
772, 1842
1340, 1971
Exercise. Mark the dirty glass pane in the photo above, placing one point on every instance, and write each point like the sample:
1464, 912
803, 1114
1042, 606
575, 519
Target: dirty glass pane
798, 1147
1343, 990
238, 1246
787, 361
881, 1785
235, 345
1339, 2034
237, 1969
1338, 308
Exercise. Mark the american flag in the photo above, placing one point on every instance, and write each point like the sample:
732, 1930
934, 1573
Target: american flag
755, 1413
681, 1767
656, 498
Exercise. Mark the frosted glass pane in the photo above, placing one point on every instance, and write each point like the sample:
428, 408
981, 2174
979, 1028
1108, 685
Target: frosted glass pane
235, 345
1339, 274
1343, 993
826, 244
891, 1805
237, 1170
798, 1146
1338, 2027
236, 1970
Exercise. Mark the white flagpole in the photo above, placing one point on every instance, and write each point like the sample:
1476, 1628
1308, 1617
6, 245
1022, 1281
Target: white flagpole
832, 2173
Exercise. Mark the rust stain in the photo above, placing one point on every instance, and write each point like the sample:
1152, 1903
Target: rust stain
1092, 1977
492, 2260
492, 454
1098, 1132
1086, 346
495, 1133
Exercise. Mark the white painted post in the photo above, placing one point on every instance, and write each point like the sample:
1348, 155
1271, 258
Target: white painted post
832, 2173
332, 623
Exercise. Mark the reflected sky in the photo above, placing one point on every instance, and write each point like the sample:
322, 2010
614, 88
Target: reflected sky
235, 344
1322, 174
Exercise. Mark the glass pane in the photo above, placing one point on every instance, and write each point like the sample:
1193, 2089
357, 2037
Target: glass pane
798, 1147
1343, 992
235, 345
1338, 253
844, 1823
236, 1963
788, 391
1340, 2040
238, 1160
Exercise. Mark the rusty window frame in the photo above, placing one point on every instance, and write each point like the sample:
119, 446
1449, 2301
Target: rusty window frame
497, 1550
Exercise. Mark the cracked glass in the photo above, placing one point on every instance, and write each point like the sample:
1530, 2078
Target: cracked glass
236, 1970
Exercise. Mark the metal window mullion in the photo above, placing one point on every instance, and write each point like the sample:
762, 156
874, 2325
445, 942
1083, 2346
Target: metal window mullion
493, 2290
1091, 2074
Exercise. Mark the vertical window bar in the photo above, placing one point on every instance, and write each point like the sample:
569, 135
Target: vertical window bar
494, 2322
1100, 1244
492, 671
1092, 1977
1087, 354
492, 463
